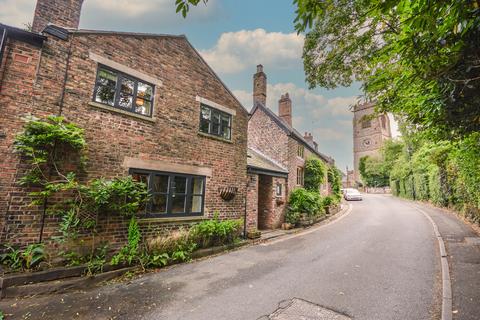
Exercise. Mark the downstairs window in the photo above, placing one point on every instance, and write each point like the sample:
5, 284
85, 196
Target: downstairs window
172, 194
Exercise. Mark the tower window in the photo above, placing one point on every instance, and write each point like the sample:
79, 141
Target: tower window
366, 124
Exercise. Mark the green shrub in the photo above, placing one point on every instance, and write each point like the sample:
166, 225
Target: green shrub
176, 246
130, 253
314, 174
215, 232
26, 259
330, 201
307, 202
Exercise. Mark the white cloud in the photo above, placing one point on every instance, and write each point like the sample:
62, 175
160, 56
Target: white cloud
328, 134
237, 51
17, 12
143, 15
306, 102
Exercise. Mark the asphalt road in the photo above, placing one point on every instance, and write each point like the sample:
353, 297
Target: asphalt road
378, 262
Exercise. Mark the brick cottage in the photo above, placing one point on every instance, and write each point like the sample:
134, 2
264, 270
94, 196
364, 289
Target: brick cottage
150, 106
276, 158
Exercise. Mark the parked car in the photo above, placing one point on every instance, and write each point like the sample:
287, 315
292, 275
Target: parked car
352, 194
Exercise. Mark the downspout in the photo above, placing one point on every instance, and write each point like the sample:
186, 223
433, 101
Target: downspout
3, 42
245, 213
60, 104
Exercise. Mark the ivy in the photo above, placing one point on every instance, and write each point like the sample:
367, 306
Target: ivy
315, 171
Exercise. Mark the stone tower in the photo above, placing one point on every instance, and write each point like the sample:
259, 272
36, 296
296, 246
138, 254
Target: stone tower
368, 134
62, 13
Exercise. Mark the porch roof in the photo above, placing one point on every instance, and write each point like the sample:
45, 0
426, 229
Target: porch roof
258, 163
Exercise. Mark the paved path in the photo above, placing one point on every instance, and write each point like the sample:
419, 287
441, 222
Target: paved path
379, 262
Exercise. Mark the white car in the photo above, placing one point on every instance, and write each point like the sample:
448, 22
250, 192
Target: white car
352, 194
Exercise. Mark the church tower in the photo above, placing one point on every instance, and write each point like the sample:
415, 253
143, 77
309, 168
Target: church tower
368, 134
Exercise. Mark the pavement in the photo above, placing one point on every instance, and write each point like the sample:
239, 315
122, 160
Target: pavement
381, 261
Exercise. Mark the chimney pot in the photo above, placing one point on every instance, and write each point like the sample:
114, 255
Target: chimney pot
259, 68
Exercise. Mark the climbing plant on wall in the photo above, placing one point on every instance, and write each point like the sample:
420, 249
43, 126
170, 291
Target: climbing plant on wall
315, 171
54, 150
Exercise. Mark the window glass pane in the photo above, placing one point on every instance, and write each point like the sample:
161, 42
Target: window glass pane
144, 91
204, 125
196, 204
180, 184
127, 86
125, 100
197, 186
160, 183
178, 203
226, 133
140, 177
225, 121
159, 203
215, 123
226, 126
107, 81
143, 106
205, 113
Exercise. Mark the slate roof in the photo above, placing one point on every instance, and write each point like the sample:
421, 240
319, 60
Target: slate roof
291, 131
257, 162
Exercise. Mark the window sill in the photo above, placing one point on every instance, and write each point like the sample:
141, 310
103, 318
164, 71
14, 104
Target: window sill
116, 110
172, 219
206, 135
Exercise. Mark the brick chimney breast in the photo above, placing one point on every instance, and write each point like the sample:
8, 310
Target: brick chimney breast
285, 108
62, 13
260, 86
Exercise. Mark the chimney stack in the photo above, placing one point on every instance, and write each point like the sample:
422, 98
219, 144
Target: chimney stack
260, 86
285, 108
62, 13
309, 138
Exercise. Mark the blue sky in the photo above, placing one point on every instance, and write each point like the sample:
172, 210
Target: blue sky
233, 36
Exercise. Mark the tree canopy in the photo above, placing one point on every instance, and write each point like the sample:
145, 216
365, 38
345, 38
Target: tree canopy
419, 59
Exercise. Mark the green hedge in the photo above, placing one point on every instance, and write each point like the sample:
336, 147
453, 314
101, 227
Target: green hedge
444, 173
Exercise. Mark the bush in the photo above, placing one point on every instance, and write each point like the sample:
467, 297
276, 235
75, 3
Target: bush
215, 232
26, 259
130, 253
314, 174
304, 201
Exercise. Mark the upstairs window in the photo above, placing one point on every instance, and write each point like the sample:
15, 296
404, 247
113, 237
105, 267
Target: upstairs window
124, 92
215, 122
172, 194
300, 151
300, 176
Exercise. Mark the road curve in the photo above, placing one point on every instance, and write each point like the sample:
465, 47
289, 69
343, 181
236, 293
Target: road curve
379, 262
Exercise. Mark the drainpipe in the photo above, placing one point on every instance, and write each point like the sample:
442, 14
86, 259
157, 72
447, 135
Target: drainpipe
245, 213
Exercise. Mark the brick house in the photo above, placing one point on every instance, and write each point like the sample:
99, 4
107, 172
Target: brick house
283, 151
150, 106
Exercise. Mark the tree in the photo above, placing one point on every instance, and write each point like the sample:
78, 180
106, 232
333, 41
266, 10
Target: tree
372, 170
419, 59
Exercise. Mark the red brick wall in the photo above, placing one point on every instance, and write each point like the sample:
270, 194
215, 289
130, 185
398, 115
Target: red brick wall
17, 79
112, 136
252, 202
267, 137
63, 13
